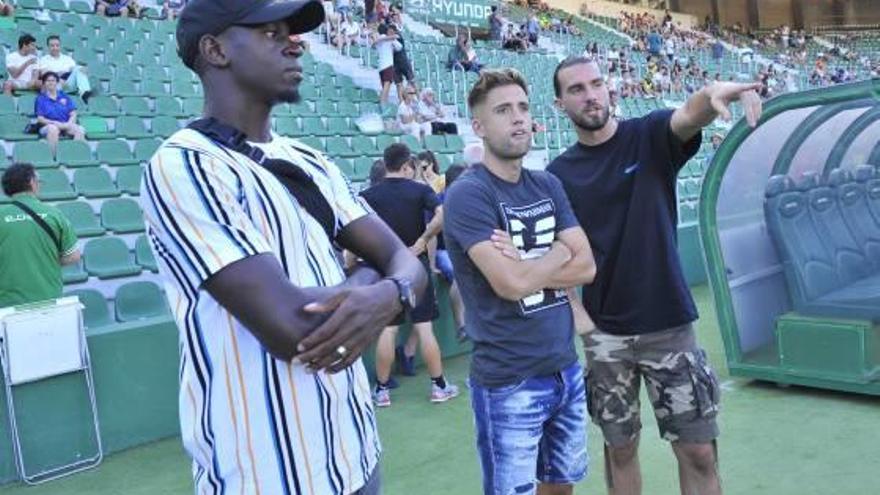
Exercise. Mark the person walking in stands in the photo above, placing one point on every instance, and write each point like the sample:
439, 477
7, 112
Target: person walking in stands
517, 249
35, 241
386, 42
621, 179
56, 113
22, 66
72, 76
403, 204
274, 397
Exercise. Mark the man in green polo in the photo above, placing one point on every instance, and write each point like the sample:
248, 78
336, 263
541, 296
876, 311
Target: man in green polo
31, 251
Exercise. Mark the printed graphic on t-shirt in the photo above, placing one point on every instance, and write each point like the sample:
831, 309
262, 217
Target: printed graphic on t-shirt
533, 230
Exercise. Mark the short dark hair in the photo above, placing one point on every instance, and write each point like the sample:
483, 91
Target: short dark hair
568, 62
494, 78
46, 75
17, 178
428, 156
382, 29
377, 172
396, 156
25, 39
453, 172
53, 37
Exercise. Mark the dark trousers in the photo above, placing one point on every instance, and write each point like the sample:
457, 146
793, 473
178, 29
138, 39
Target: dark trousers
443, 128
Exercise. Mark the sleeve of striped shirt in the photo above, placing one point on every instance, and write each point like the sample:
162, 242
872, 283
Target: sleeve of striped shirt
192, 201
348, 205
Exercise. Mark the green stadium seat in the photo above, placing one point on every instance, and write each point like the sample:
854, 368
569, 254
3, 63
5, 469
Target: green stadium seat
193, 106
183, 89
139, 300
145, 58
145, 148
455, 144
309, 92
122, 216
37, 153
108, 257
96, 127
347, 108
26, 103
337, 146
362, 167
122, 86
314, 126
364, 145
288, 126
54, 186
74, 273
131, 127
75, 154
115, 153
95, 312
153, 87
7, 105
345, 165
437, 144
412, 142
136, 106
339, 126
94, 183
104, 106
169, 106
128, 179
156, 73
325, 108
164, 126
144, 255
12, 128
81, 7
313, 142
82, 218
385, 140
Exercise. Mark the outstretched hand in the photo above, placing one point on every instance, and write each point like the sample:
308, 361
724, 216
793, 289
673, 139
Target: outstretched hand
721, 94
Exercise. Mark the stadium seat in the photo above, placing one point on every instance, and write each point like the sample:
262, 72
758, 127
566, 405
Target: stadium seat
139, 300
96, 128
347, 108
314, 126
144, 255
339, 126
853, 202
128, 179
95, 312
122, 216
26, 103
94, 183
153, 87
55, 186
12, 128
82, 218
75, 154
164, 126
183, 89
455, 144
81, 7
115, 153
315, 143
337, 146
74, 273
364, 145
437, 144
169, 106
411, 142
123, 86
108, 257
385, 140
36, 153
145, 148
7, 105
135, 106
103, 106
287, 126
131, 127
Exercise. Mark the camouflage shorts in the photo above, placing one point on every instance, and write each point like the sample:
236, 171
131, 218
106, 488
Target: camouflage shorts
681, 385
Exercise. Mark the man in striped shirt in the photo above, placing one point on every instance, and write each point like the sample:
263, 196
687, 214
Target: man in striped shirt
245, 225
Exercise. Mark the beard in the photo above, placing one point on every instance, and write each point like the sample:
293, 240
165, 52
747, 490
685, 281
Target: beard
508, 150
591, 122
290, 96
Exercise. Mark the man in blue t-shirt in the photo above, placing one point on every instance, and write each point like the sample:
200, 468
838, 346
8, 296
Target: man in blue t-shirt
517, 250
56, 112
621, 179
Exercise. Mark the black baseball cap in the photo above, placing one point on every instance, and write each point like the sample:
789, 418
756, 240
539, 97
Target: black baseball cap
201, 17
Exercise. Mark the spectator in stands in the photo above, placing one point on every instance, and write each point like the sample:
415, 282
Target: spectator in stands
348, 33
533, 28
385, 43
171, 8
655, 43
72, 76
6, 9
472, 154
403, 204
431, 112
513, 40
496, 23
403, 70
343, 7
56, 112
462, 55
22, 66
428, 171
35, 240
717, 50
408, 116
117, 8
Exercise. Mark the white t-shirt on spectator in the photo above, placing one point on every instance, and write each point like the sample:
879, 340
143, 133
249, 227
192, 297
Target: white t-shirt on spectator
350, 28
59, 65
404, 110
386, 50
16, 59
427, 112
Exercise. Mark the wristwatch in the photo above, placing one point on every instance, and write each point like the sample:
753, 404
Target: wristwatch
406, 293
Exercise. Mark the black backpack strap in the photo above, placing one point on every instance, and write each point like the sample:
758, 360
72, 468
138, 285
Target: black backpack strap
42, 223
294, 178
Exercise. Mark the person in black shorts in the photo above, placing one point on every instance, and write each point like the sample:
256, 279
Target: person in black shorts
621, 180
403, 204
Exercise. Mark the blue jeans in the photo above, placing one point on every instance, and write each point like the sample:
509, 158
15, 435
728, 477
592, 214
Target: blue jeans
444, 264
533, 431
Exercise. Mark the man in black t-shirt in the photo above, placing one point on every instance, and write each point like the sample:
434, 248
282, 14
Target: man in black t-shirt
404, 204
621, 180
